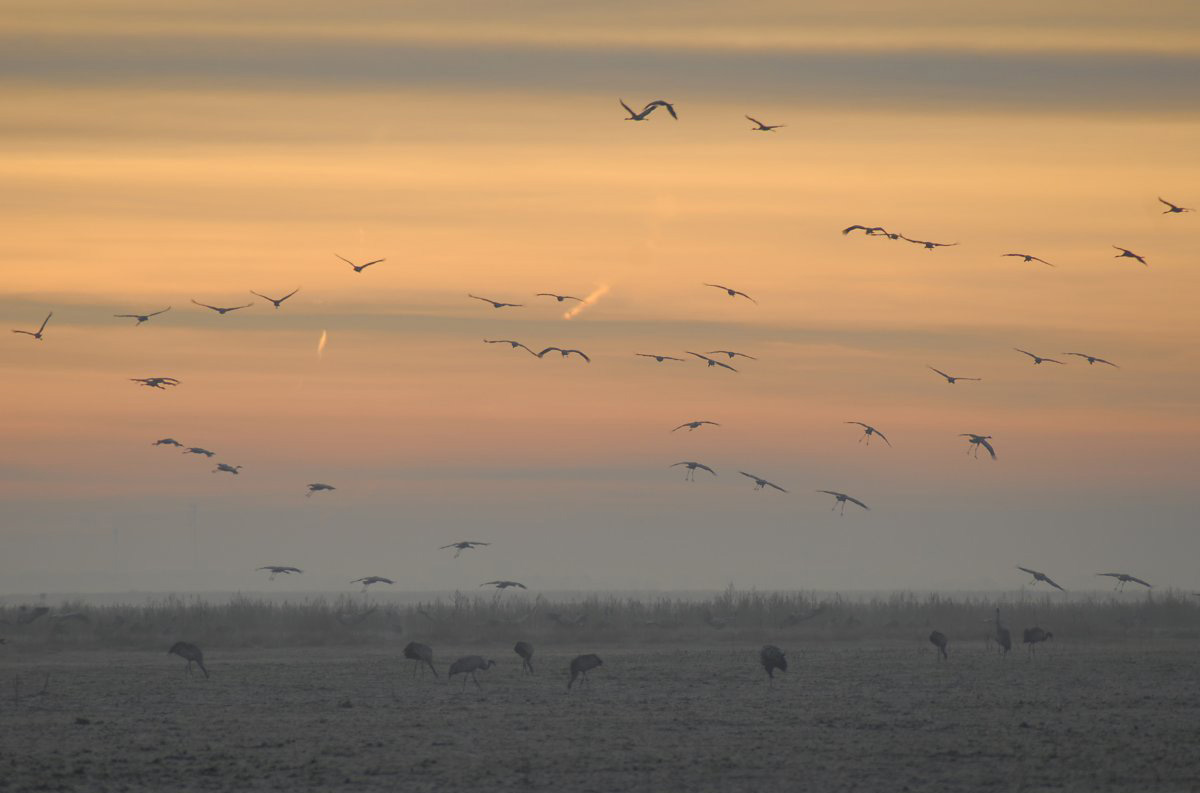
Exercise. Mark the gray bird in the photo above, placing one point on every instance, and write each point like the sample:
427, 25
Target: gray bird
711, 361
733, 292
939, 640
760, 483
160, 383
366, 581
559, 298
190, 653
1031, 637
317, 487
842, 498
1039, 576
691, 425
581, 665
868, 431
565, 353
504, 584
277, 569
465, 545
467, 666
929, 245
1092, 359
772, 658
227, 468
1125, 578
690, 474
525, 650
167, 442
731, 354
511, 343
421, 654
198, 450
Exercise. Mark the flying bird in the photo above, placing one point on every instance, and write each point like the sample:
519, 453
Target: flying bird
38, 333
504, 584
1029, 258
711, 362
1091, 359
358, 268
142, 317
661, 103
1125, 253
496, 303
976, 441
278, 301
691, 425
760, 483
929, 245
277, 569
565, 353
953, 380
1125, 578
842, 498
1037, 576
513, 344
1172, 209
731, 354
167, 442
868, 431
220, 310
690, 474
465, 545
733, 292
870, 231
764, 127
232, 469
366, 581
659, 358
197, 450
1036, 358
559, 298
640, 116
160, 383
317, 487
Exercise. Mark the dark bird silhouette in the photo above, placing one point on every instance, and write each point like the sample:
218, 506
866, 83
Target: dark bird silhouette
565, 353
276, 301
929, 245
465, 545
760, 483
167, 442
976, 441
953, 379
842, 498
690, 474
1003, 636
711, 361
661, 103
276, 569
1125, 253
525, 650
142, 317
366, 581
559, 298
358, 268
1092, 359
160, 383
1033, 637
939, 640
421, 654
691, 425
580, 665
1172, 209
772, 658
731, 354
37, 334
868, 431
197, 450
219, 309
761, 127
1028, 258
190, 653
639, 116
1037, 576
504, 584
496, 303
317, 487
733, 292
659, 358
227, 468
511, 343
467, 666
870, 231
1125, 578
1037, 359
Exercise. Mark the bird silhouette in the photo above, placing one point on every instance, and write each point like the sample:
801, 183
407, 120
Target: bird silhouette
711, 361
929, 245
465, 545
358, 268
659, 358
496, 303
277, 569
1125, 578
1028, 257
230, 469
761, 127
366, 581
1039, 576
662, 103
871, 231
525, 650
1037, 359
317, 487
691, 425
772, 658
504, 584
467, 666
1092, 359
421, 654
842, 498
37, 334
975, 441
868, 431
198, 450
1125, 253
733, 292
1034, 636
642, 115
167, 442
581, 665
731, 354
141, 317
276, 301
690, 474
559, 298
939, 640
760, 483
1172, 209
952, 380
565, 353
160, 383
511, 343
190, 653
1002, 635
219, 309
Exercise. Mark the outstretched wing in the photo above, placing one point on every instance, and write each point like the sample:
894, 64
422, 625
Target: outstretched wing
856, 501
1140, 581
548, 349
1049, 581
206, 305
628, 109
581, 354
743, 294
884, 437
943, 374
983, 442
772, 484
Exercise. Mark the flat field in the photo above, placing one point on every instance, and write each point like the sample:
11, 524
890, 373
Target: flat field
848, 716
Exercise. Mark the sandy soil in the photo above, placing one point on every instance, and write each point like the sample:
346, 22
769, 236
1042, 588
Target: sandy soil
847, 717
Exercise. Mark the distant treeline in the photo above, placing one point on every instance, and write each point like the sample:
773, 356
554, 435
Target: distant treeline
734, 617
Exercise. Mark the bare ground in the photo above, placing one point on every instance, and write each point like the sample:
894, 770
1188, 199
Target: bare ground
847, 717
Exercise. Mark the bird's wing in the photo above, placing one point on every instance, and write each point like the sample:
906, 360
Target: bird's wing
1140, 581
235, 308
859, 423
31, 333
490, 583
1110, 363
881, 435
347, 261
1123, 250
358, 580
943, 374
130, 316
628, 109
717, 286
706, 468
1033, 573
1043, 261
715, 424
856, 501
444, 547
752, 476
830, 492
1168, 203
755, 120
581, 354
1014, 254
777, 487
727, 366
368, 264
698, 355
1051, 583
1111, 575
156, 313
1031, 355
484, 299
849, 229
548, 349
681, 426
289, 294
988, 446
743, 294
206, 305
44, 321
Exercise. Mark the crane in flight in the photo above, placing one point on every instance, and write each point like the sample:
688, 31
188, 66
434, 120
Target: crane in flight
868, 431
760, 483
276, 301
691, 425
37, 334
1036, 358
226, 467
842, 498
711, 361
496, 303
504, 584
870, 231
690, 474
642, 115
659, 358
141, 317
662, 103
952, 380
366, 581
559, 298
733, 292
317, 487
167, 442
731, 354
761, 127
464, 545
1029, 258
219, 309
975, 441
277, 569
565, 353
1039, 576
1125, 253
358, 268
510, 342
1172, 209
929, 245
1125, 578
160, 383
197, 450
1092, 359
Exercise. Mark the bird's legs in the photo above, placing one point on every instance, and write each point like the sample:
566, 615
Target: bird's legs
475, 680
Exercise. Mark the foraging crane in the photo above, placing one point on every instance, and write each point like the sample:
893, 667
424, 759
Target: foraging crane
190, 653
580, 665
1003, 636
1028, 257
510, 342
167, 442
711, 361
565, 353
160, 383
760, 483
690, 474
559, 298
1172, 209
868, 431
764, 127
317, 487
842, 498
496, 303
465, 545
975, 441
504, 584
772, 658
421, 654
467, 666
929, 245
1092, 359
277, 569
953, 379
141, 317
1125, 253
219, 309
366, 581
691, 425
358, 268
1031, 637
733, 292
525, 650
277, 302
1038, 576
37, 334
1037, 359
1125, 578
197, 450
659, 358
939, 640
731, 354
227, 468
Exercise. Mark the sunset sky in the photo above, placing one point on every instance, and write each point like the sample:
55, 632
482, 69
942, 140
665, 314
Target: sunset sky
156, 153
